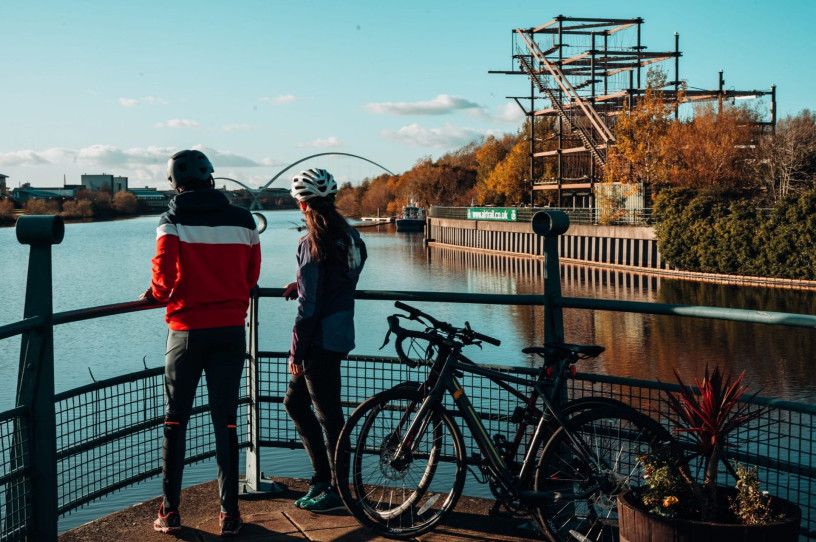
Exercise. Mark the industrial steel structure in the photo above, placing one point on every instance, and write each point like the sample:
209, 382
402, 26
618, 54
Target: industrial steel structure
583, 72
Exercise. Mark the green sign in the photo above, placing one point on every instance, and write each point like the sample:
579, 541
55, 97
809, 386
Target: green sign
481, 213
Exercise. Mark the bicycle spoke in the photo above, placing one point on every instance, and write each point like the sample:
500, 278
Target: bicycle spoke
391, 487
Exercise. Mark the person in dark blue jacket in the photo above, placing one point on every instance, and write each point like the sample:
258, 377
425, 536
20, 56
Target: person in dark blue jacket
330, 258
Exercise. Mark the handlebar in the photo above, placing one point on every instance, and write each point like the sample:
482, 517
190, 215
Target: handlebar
436, 332
463, 333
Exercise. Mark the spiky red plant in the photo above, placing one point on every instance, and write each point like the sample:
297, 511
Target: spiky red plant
709, 417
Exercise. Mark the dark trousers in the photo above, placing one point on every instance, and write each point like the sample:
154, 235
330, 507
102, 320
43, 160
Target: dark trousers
320, 387
219, 353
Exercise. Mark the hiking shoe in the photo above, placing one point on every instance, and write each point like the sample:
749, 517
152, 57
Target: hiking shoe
315, 490
230, 524
328, 502
167, 522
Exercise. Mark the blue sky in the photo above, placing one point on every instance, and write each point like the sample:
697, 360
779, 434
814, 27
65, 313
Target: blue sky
116, 87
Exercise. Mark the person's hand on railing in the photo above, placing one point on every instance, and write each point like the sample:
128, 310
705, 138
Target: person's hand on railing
147, 295
290, 292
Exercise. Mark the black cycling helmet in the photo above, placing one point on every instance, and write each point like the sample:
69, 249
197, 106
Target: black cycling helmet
190, 168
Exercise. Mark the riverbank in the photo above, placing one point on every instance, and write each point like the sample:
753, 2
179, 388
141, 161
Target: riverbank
619, 248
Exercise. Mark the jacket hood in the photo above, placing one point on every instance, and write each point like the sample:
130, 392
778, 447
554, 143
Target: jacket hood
199, 201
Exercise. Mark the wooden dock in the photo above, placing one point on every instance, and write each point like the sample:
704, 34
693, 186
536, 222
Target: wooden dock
274, 518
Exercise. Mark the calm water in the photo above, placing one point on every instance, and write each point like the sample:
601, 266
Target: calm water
109, 262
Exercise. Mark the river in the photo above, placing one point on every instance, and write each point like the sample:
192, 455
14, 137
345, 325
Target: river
101, 263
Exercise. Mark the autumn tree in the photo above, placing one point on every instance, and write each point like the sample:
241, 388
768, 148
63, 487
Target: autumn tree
488, 156
125, 202
376, 198
641, 135
505, 184
713, 151
346, 200
6, 210
42, 207
77, 209
786, 160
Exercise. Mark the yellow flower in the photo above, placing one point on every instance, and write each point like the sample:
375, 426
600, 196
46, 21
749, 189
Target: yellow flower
668, 502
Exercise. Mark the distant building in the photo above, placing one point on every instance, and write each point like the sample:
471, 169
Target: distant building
27, 192
151, 198
3, 189
113, 183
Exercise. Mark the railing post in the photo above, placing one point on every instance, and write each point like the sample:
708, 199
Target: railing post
35, 387
254, 481
551, 224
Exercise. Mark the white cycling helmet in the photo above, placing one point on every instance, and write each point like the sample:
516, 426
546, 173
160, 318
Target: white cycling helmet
313, 183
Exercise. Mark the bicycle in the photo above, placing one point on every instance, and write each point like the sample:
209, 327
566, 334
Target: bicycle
401, 461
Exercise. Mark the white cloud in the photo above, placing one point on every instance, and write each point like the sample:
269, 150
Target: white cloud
237, 127
154, 100
22, 158
510, 113
225, 159
178, 123
445, 137
441, 105
328, 143
134, 102
272, 162
283, 99
110, 156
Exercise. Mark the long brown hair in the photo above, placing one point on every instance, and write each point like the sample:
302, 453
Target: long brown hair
326, 226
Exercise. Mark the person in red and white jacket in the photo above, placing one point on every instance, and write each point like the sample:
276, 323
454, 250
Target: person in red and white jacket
207, 260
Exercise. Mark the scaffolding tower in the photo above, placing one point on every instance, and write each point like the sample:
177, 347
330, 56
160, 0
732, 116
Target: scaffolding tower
583, 72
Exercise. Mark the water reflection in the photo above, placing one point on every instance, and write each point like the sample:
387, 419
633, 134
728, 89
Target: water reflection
777, 359
641, 346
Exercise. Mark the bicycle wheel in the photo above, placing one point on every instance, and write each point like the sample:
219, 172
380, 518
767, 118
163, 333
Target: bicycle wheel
581, 484
399, 495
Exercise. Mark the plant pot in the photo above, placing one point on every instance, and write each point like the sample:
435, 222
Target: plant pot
638, 525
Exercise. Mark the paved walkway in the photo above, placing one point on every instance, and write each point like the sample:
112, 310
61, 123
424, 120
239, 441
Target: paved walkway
274, 518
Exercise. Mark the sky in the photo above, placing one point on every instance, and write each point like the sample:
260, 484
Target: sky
117, 87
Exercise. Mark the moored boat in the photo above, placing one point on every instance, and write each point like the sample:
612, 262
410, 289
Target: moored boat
412, 218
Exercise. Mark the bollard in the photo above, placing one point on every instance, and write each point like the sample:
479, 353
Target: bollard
35, 387
551, 224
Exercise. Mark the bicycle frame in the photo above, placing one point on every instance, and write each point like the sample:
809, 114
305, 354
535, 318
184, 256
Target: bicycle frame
443, 378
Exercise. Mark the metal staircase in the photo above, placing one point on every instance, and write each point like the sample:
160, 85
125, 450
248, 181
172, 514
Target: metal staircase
576, 111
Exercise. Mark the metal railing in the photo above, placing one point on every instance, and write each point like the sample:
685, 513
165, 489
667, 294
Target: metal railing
107, 435
577, 215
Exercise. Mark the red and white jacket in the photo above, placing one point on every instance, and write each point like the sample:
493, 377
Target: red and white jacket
208, 257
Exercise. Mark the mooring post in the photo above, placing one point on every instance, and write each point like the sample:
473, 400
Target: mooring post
551, 224
38, 500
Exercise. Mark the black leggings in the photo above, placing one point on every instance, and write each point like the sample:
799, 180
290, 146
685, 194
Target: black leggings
219, 353
319, 386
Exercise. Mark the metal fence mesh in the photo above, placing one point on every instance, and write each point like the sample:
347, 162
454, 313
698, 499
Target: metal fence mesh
109, 433
15, 483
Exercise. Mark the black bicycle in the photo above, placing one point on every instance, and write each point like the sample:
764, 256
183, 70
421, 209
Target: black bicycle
401, 459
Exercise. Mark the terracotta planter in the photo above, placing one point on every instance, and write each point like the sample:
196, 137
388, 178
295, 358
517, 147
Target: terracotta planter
637, 525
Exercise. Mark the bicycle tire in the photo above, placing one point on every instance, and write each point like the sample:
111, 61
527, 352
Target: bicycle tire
582, 498
399, 497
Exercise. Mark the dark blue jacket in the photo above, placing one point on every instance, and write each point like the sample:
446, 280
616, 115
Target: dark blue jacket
325, 315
